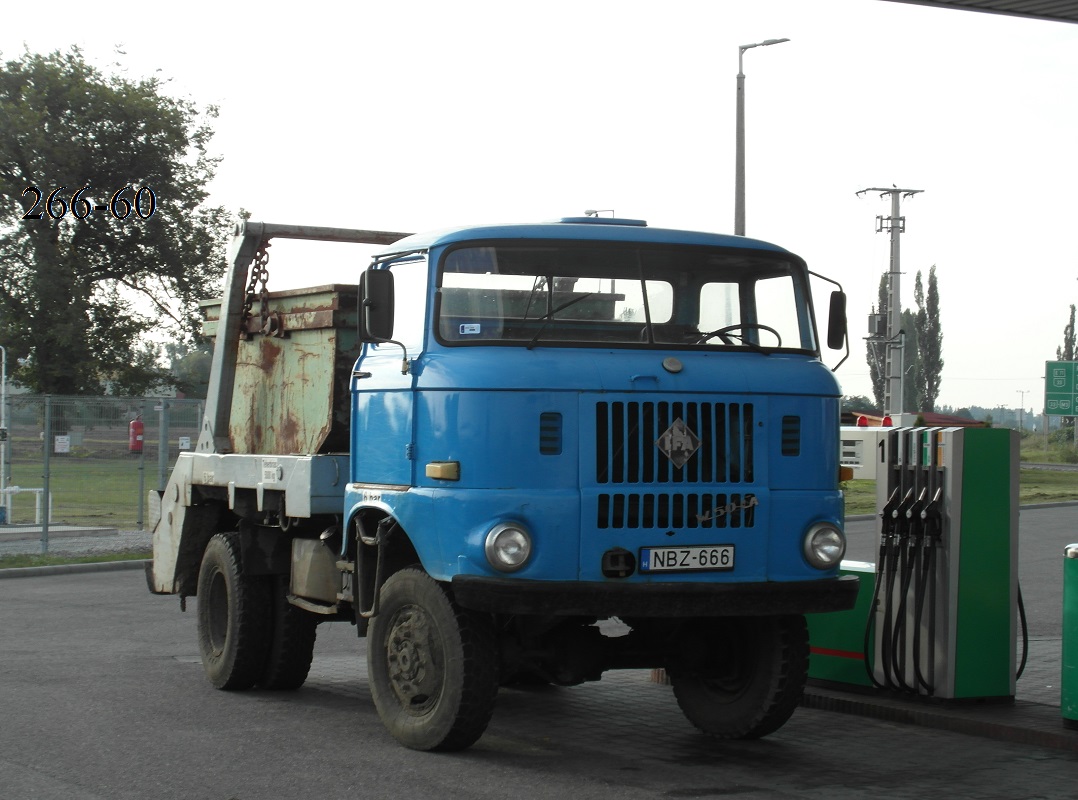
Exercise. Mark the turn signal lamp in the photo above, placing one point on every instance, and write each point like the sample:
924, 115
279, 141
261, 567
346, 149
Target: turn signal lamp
444, 470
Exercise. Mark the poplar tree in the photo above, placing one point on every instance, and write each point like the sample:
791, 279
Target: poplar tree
929, 342
923, 356
1066, 352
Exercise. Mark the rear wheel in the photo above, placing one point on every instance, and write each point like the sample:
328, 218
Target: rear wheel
432, 666
742, 678
291, 645
233, 616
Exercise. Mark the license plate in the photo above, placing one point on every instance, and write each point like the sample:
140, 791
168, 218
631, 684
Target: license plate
683, 559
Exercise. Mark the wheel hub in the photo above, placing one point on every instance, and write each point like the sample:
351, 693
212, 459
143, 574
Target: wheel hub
413, 658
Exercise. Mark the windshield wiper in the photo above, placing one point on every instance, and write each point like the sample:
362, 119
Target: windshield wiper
549, 316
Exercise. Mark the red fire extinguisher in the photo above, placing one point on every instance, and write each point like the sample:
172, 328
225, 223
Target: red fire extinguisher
134, 435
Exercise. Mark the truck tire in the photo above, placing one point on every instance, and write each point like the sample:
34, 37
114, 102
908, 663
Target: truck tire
432, 666
233, 616
291, 645
743, 677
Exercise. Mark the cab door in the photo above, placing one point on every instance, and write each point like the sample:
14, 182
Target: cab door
383, 396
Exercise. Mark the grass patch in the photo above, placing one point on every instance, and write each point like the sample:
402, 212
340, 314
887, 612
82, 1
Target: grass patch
96, 492
860, 496
1034, 486
1047, 486
27, 560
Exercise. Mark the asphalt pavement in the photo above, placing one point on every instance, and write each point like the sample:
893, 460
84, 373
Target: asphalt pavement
103, 697
1033, 717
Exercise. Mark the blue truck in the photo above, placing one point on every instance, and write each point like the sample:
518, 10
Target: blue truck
510, 454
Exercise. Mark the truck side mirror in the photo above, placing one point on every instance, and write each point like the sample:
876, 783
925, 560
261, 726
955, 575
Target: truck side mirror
836, 321
376, 305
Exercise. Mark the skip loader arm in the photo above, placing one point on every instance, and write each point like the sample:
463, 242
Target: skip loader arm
184, 525
249, 237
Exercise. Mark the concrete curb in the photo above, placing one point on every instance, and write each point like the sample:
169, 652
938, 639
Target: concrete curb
68, 569
1020, 722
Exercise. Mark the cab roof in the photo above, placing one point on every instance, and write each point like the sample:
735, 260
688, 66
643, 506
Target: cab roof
607, 229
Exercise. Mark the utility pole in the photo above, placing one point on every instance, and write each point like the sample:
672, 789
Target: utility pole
1021, 409
896, 225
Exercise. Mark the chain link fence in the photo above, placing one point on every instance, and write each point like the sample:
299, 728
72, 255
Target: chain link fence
72, 465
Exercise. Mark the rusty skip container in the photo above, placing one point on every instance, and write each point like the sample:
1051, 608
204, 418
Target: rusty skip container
293, 371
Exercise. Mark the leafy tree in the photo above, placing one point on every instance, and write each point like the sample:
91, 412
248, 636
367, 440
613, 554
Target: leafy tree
190, 368
80, 289
929, 342
858, 402
877, 355
922, 358
911, 363
1066, 351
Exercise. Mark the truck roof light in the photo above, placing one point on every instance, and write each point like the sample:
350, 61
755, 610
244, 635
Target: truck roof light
636, 223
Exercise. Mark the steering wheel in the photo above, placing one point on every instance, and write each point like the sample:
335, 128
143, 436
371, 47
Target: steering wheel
729, 338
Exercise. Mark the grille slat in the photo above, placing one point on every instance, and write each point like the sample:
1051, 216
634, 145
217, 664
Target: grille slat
791, 436
550, 433
626, 456
674, 510
625, 435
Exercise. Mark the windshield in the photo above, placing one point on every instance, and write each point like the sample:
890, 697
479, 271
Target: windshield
602, 294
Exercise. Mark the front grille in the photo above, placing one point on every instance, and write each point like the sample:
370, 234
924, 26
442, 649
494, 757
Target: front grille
626, 432
665, 511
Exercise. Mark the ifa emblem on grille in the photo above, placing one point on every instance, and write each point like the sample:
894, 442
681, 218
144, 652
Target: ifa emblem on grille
678, 443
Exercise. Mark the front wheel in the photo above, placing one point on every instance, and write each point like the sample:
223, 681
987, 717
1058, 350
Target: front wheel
742, 678
432, 665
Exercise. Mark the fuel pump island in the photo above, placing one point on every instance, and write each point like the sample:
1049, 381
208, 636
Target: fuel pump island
937, 615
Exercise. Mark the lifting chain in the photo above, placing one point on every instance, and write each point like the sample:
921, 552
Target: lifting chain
258, 285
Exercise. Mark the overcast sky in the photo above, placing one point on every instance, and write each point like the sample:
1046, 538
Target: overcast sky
417, 115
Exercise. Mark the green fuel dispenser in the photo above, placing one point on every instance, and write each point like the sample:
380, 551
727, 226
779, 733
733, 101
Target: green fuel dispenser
1069, 682
945, 620
940, 617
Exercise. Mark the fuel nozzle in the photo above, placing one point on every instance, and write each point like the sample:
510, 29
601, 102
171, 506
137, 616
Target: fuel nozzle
915, 515
932, 518
903, 514
889, 508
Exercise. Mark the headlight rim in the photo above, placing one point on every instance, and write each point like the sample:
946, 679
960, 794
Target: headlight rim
491, 551
810, 546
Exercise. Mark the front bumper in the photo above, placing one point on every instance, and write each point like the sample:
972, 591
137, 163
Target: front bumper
572, 598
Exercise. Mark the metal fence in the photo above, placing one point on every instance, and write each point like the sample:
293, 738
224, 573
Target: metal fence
88, 462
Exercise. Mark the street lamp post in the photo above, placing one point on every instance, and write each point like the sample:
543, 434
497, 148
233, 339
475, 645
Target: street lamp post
739, 170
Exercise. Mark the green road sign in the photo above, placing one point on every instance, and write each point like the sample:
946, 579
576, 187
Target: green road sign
1060, 390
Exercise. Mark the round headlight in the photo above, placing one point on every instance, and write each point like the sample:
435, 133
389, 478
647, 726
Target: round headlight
824, 546
508, 546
